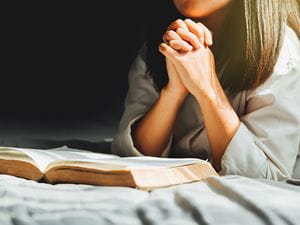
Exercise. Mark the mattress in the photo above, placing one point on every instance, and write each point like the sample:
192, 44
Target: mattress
216, 200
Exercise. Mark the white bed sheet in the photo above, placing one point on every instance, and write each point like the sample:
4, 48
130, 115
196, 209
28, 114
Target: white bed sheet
216, 200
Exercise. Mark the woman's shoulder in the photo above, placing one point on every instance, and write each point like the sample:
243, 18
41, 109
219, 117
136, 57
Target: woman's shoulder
289, 56
139, 61
138, 71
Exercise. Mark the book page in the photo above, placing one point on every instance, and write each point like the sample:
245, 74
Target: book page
132, 162
12, 154
147, 161
154, 162
44, 157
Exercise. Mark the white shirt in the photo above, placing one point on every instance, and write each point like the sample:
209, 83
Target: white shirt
266, 143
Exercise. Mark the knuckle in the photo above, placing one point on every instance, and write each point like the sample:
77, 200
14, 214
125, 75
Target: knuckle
181, 42
161, 46
172, 42
174, 45
169, 36
179, 30
187, 46
203, 28
193, 36
200, 24
187, 20
201, 32
166, 35
169, 33
178, 21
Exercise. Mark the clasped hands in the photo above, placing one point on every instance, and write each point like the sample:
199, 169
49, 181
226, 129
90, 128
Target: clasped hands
190, 63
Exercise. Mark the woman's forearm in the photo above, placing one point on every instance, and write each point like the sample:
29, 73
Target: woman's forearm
221, 121
151, 133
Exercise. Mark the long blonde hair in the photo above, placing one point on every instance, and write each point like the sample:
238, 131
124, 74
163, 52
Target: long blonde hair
265, 30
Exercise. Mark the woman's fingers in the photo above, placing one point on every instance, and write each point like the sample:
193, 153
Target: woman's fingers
167, 51
176, 24
174, 40
207, 33
186, 35
189, 37
170, 35
201, 31
195, 29
180, 45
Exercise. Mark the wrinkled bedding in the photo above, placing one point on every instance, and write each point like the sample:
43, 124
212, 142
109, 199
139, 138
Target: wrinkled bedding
216, 200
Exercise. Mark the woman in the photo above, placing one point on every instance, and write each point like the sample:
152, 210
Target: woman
223, 85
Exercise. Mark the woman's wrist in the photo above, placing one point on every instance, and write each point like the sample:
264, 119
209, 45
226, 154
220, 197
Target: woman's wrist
207, 95
175, 94
209, 92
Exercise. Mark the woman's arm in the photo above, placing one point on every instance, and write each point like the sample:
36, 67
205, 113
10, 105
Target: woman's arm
151, 134
221, 121
197, 72
196, 69
149, 115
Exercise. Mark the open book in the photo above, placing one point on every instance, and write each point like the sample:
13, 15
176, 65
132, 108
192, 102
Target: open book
65, 165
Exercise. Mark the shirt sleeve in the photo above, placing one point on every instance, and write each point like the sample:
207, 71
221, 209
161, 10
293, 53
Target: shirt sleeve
266, 143
140, 97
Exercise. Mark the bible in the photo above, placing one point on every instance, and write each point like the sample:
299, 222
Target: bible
66, 165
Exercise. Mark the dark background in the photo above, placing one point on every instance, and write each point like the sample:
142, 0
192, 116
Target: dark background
64, 70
